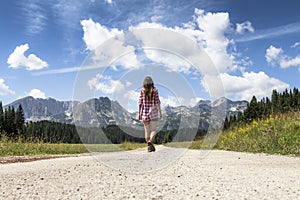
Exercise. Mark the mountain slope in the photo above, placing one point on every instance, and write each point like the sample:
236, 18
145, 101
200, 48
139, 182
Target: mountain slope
102, 112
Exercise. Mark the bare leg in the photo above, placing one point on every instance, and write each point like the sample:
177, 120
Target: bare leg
153, 130
147, 130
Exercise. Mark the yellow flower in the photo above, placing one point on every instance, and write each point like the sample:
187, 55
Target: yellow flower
231, 134
254, 124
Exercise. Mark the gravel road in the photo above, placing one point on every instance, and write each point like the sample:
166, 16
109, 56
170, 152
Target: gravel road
165, 174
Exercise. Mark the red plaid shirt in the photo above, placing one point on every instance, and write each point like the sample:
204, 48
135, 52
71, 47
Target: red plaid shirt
145, 105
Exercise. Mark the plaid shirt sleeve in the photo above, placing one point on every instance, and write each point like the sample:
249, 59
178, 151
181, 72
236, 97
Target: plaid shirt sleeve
156, 97
141, 98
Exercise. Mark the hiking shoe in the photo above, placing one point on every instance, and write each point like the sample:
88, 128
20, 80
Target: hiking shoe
151, 147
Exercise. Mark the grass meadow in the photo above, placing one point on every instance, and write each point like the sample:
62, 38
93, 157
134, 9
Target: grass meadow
278, 134
19, 148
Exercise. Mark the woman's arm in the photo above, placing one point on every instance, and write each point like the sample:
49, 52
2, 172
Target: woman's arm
139, 112
159, 111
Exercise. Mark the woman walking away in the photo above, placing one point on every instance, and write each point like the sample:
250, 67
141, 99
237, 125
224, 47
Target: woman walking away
149, 110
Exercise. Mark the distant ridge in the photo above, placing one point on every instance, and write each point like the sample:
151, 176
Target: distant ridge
103, 112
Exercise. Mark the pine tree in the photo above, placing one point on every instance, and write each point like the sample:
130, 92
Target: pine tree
226, 124
275, 102
1, 118
9, 119
240, 117
268, 107
253, 112
295, 104
167, 137
19, 121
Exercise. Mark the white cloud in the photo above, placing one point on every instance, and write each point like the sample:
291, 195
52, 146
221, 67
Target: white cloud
207, 29
36, 93
171, 61
106, 84
270, 32
213, 27
34, 14
208, 32
132, 95
194, 101
290, 62
244, 27
276, 56
17, 59
295, 45
95, 34
112, 49
171, 101
247, 85
273, 54
4, 89
108, 1
155, 18
128, 61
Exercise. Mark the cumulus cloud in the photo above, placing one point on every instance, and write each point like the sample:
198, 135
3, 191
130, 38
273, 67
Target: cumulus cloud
112, 50
212, 29
132, 95
108, 1
171, 101
290, 62
36, 93
247, 85
208, 30
17, 59
106, 84
244, 27
4, 89
95, 34
275, 56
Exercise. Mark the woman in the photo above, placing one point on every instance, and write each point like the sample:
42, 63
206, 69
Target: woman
149, 110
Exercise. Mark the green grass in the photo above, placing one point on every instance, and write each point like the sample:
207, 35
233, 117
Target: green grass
9, 148
274, 135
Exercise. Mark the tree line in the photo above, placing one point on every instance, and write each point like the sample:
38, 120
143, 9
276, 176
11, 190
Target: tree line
13, 127
286, 101
11, 122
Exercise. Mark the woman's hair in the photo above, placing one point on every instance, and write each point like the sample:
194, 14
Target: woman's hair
149, 87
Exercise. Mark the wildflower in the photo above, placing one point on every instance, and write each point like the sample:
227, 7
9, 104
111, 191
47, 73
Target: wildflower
263, 133
270, 129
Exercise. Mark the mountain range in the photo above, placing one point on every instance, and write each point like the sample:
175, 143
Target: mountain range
103, 112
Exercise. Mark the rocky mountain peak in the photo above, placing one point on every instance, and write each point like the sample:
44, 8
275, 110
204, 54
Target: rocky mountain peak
102, 111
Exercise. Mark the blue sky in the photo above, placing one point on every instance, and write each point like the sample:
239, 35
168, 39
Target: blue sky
45, 46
